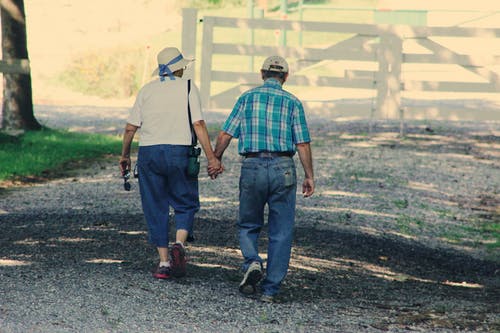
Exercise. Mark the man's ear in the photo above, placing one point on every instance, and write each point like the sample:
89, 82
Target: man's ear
285, 77
262, 74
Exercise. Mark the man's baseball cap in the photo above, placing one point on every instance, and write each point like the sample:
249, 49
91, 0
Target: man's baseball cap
275, 64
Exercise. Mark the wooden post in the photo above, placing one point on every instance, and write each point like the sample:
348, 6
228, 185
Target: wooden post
189, 27
284, 17
380, 82
301, 18
398, 84
251, 42
389, 76
396, 46
206, 60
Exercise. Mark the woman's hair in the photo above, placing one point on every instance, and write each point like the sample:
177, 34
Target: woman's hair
179, 72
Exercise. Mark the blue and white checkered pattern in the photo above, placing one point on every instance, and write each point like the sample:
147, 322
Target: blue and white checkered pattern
267, 118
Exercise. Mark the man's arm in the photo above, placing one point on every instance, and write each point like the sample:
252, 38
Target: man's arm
214, 165
305, 156
128, 136
223, 141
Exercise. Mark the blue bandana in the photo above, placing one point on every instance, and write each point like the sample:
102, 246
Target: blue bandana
164, 70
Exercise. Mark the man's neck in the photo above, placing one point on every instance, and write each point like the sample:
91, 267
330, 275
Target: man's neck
274, 79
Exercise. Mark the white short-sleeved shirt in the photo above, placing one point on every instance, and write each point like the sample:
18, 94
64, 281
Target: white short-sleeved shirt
161, 112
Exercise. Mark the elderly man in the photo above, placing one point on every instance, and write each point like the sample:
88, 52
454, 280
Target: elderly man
271, 125
164, 111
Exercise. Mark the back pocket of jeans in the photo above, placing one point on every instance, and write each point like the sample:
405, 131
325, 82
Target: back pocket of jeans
289, 176
248, 177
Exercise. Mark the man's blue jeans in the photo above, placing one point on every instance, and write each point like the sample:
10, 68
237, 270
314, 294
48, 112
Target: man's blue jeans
163, 184
271, 181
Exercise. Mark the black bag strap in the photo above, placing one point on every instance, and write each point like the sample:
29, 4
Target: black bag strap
193, 134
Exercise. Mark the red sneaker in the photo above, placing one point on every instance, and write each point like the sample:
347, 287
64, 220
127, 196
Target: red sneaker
162, 272
178, 260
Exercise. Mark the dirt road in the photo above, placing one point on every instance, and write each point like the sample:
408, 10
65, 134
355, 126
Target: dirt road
401, 236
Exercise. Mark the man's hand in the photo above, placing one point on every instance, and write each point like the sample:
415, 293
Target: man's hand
214, 168
308, 187
305, 156
223, 141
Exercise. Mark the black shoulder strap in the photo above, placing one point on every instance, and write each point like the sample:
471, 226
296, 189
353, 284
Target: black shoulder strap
193, 134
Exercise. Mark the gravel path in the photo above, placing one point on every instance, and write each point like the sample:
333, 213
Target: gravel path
381, 246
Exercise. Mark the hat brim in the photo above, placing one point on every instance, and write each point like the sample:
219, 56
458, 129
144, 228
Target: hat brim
275, 70
175, 67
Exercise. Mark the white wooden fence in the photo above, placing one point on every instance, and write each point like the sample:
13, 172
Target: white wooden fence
388, 47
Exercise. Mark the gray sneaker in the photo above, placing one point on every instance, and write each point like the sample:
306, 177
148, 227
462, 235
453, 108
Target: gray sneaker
251, 278
267, 298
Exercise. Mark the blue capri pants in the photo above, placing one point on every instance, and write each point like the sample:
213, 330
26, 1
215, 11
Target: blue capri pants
164, 183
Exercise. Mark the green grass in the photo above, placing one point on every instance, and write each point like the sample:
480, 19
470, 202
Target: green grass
36, 153
408, 223
490, 231
401, 203
479, 233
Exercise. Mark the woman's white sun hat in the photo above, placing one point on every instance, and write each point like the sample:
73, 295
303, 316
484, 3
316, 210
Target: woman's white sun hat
170, 59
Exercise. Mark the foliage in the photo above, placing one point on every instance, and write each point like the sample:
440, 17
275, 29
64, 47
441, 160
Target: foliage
35, 153
112, 73
120, 71
214, 3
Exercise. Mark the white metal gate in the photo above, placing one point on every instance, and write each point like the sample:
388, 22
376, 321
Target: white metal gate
389, 48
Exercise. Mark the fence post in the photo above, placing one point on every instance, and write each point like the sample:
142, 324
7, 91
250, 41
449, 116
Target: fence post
389, 76
395, 82
301, 18
206, 60
189, 22
380, 82
284, 17
251, 42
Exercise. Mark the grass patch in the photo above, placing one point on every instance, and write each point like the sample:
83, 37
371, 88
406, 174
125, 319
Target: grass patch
408, 223
37, 153
401, 203
490, 231
478, 234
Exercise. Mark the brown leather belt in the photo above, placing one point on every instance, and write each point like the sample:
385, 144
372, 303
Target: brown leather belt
265, 154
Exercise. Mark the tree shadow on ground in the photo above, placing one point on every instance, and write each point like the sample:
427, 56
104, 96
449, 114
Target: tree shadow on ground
324, 255
419, 285
319, 253
342, 268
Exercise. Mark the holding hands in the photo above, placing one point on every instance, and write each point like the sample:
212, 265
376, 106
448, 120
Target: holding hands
215, 167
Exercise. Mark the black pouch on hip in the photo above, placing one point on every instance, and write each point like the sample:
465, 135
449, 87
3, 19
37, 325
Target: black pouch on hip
193, 168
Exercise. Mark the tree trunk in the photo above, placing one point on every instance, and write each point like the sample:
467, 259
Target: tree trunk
17, 93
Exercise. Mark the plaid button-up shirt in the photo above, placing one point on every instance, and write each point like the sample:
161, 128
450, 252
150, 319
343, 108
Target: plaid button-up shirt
267, 118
